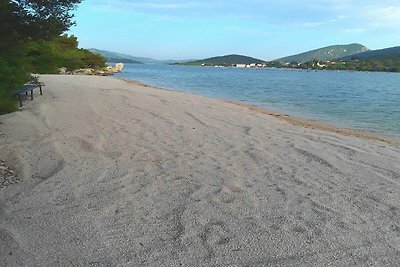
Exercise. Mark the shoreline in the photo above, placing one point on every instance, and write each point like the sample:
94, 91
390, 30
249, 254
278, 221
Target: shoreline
293, 69
294, 120
117, 173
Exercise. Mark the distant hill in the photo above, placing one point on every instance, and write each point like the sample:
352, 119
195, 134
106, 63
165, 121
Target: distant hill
392, 53
326, 53
227, 60
387, 60
119, 57
122, 60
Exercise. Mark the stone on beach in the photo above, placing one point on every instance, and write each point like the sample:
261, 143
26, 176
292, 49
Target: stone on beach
119, 66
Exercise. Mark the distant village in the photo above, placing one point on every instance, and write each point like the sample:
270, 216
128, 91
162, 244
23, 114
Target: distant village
316, 64
242, 66
381, 64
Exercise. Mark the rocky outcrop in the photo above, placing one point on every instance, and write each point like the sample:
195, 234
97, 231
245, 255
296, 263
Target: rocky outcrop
109, 70
119, 67
83, 72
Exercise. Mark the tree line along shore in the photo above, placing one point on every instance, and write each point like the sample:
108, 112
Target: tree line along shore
34, 41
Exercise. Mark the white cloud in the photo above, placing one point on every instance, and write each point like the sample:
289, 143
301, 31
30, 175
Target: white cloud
308, 14
248, 31
355, 30
383, 16
129, 6
310, 24
172, 5
369, 15
317, 24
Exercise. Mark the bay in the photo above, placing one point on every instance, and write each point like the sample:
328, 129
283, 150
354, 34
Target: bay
359, 100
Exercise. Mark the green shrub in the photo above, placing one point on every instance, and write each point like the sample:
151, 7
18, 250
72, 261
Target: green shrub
12, 75
63, 51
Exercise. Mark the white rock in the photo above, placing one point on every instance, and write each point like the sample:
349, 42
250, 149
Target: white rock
63, 70
119, 66
87, 72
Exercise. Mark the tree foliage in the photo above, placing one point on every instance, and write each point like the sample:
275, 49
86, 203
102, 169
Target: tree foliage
62, 51
31, 40
36, 19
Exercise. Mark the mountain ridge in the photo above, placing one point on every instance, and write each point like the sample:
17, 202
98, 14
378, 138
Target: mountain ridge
385, 53
326, 53
115, 56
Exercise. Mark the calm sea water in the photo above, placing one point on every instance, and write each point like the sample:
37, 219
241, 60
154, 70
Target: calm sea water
359, 100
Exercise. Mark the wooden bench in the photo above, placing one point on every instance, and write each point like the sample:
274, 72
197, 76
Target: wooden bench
28, 88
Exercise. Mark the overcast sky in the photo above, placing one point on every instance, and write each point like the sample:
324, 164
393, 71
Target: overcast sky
178, 29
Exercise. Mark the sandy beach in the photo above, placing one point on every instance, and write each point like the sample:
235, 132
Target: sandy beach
115, 173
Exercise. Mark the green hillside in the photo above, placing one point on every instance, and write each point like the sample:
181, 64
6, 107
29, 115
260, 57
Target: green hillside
387, 60
227, 60
326, 53
392, 53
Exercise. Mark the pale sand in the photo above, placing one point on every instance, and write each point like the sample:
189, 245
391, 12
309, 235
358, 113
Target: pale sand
114, 173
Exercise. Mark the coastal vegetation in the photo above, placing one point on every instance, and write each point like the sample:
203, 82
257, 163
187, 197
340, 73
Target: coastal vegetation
33, 42
62, 51
369, 65
387, 53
